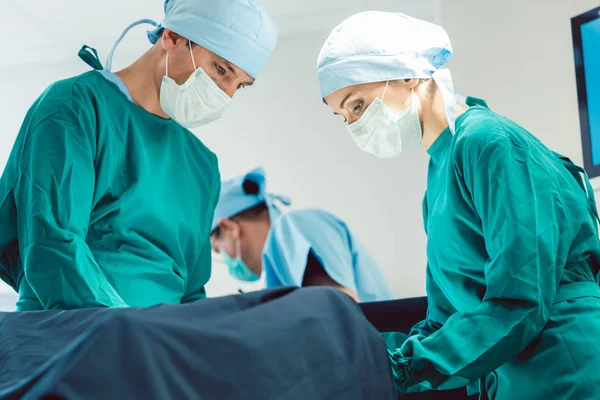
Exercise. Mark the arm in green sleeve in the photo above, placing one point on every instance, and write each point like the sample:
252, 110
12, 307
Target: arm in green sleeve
439, 310
512, 194
53, 193
199, 276
201, 272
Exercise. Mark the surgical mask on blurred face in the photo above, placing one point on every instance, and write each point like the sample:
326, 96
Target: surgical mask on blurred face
237, 267
386, 133
197, 102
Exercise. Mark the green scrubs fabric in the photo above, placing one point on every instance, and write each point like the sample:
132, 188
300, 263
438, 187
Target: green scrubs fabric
103, 204
512, 276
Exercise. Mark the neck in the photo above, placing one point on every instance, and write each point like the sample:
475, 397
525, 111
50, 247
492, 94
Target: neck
265, 227
261, 233
434, 121
143, 82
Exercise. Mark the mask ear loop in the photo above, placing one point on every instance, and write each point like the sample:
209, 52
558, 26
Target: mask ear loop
238, 249
385, 90
412, 96
192, 53
167, 66
166, 62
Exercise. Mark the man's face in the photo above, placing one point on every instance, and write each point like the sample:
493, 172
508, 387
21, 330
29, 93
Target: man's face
228, 77
224, 240
240, 238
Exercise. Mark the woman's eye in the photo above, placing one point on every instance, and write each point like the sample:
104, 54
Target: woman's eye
357, 108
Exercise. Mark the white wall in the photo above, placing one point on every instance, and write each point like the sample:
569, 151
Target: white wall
515, 54
518, 56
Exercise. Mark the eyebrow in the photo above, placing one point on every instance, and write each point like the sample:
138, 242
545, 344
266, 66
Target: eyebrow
345, 99
230, 68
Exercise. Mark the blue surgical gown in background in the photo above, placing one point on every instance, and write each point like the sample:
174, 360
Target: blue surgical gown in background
103, 204
512, 280
297, 233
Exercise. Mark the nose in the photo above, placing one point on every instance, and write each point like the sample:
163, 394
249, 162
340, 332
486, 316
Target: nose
351, 119
229, 88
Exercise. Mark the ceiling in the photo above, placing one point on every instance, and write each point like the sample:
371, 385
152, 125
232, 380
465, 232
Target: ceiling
43, 32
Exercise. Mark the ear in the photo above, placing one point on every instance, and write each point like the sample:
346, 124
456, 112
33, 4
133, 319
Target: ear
170, 40
409, 83
228, 227
214, 244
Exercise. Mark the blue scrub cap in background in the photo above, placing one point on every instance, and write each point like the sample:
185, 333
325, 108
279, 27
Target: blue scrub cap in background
244, 192
240, 31
377, 46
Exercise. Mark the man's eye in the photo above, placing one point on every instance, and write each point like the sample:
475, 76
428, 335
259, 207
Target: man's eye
220, 69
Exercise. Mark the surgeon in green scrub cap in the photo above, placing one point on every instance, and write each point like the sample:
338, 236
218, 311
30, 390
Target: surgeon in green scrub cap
107, 198
512, 227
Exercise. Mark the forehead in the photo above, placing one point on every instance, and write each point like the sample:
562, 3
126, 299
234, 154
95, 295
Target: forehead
203, 52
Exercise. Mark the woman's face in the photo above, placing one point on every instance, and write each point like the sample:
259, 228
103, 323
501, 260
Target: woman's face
352, 101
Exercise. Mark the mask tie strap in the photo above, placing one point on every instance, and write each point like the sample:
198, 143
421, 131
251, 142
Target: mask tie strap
385, 90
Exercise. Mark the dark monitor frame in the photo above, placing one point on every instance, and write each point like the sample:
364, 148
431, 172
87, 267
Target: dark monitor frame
592, 170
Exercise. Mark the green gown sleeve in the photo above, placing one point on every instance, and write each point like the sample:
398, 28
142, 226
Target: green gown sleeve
201, 272
54, 192
198, 276
521, 226
438, 310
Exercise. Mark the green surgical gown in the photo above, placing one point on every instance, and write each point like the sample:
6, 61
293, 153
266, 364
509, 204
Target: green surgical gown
512, 276
103, 204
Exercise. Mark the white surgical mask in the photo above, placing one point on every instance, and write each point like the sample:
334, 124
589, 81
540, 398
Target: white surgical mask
197, 102
237, 267
383, 133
